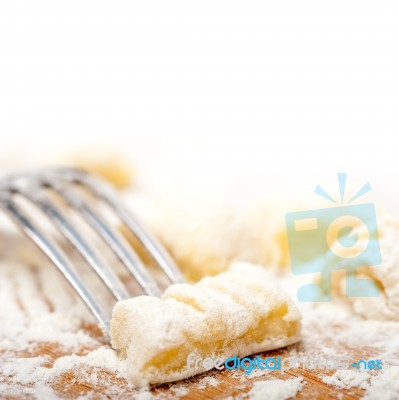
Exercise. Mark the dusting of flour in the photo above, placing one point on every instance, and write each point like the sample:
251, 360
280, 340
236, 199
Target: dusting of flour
384, 386
276, 389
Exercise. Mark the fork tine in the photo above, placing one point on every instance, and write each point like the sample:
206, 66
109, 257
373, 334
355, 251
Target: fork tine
154, 249
57, 257
117, 243
56, 216
106, 193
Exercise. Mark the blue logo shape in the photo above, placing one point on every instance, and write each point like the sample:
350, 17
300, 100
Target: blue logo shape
343, 237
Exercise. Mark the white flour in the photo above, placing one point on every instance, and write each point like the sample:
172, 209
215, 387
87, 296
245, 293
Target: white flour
276, 389
384, 386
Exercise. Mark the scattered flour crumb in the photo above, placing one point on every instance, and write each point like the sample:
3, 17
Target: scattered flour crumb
45, 392
257, 373
207, 381
276, 389
242, 377
345, 379
179, 390
144, 394
383, 386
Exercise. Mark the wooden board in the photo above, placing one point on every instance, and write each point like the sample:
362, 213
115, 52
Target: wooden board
211, 385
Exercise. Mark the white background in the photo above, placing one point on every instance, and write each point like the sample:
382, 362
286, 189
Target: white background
282, 89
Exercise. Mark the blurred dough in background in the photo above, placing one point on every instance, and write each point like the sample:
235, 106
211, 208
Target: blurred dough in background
204, 229
385, 276
109, 165
103, 159
205, 234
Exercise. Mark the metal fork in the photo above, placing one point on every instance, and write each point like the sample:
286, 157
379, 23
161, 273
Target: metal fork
68, 183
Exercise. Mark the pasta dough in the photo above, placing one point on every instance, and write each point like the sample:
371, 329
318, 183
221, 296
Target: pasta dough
237, 313
205, 235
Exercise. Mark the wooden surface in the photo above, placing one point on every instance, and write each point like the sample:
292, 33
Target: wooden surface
211, 385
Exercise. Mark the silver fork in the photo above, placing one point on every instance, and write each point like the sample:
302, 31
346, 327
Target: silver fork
37, 186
